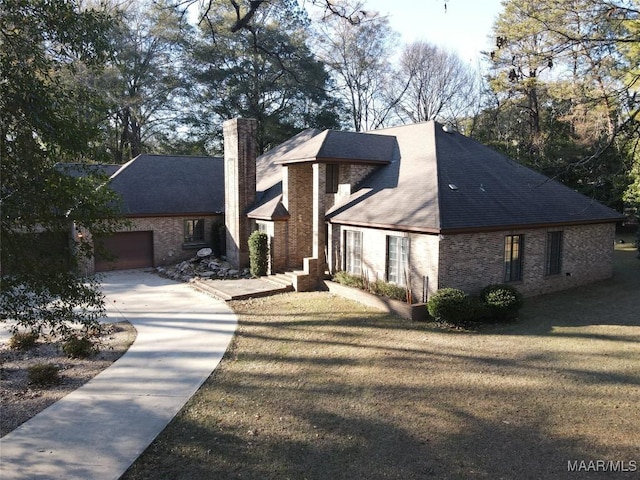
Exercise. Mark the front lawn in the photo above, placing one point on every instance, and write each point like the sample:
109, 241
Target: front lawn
318, 387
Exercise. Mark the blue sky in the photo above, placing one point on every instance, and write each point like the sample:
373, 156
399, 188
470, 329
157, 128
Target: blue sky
465, 27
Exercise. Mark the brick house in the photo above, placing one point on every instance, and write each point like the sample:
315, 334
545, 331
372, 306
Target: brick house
172, 204
416, 205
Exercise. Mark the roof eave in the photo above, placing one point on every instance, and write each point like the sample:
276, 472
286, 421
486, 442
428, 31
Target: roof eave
461, 230
332, 160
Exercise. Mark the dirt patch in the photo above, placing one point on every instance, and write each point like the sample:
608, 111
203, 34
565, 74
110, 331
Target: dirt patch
19, 400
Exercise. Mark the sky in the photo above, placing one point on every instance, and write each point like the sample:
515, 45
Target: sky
465, 26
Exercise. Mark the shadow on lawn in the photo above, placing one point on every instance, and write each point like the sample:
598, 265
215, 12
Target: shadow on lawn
317, 442
321, 397
615, 301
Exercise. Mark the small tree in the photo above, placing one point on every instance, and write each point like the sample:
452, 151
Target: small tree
259, 253
48, 118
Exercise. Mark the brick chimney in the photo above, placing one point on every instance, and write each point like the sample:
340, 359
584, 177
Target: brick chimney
239, 186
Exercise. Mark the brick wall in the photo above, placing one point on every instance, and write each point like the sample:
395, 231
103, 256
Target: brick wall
472, 261
168, 236
298, 199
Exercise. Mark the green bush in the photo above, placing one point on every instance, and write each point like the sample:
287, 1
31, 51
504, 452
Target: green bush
23, 340
258, 253
395, 292
79, 347
503, 301
449, 305
43, 374
348, 280
478, 311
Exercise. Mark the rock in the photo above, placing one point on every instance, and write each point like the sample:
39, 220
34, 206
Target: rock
207, 274
204, 252
233, 273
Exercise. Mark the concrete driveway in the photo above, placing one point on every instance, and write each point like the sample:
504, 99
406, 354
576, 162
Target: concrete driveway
100, 429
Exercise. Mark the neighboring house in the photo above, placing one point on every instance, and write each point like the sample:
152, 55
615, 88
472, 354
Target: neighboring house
417, 205
172, 204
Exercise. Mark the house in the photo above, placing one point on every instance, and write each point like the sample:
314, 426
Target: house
172, 204
417, 205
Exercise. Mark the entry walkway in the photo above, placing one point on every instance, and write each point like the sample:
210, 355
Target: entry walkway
99, 430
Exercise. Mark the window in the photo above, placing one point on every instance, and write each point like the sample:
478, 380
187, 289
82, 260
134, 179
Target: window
554, 253
353, 252
513, 249
333, 174
194, 231
397, 259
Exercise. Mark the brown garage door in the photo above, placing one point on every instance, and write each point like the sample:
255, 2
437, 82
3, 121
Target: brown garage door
128, 249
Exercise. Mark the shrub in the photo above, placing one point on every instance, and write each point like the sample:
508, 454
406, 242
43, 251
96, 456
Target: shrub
79, 347
503, 301
344, 278
478, 311
259, 253
43, 374
449, 305
395, 292
23, 340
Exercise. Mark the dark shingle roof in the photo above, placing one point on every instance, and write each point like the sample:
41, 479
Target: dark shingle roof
446, 182
171, 185
335, 146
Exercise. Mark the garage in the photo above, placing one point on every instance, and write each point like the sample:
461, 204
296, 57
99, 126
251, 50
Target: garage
124, 250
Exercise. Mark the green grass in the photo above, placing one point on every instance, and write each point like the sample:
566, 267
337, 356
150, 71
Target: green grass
318, 387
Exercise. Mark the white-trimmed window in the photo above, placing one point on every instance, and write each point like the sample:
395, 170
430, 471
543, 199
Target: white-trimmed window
397, 259
353, 252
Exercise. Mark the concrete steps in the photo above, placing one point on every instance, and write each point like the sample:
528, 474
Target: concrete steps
240, 289
284, 279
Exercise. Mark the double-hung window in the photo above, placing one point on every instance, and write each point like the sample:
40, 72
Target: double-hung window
194, 231
513, 251
397, 259
353, 252
554, 253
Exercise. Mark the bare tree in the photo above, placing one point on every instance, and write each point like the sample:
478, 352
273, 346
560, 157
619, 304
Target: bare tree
357, 55
435, 84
